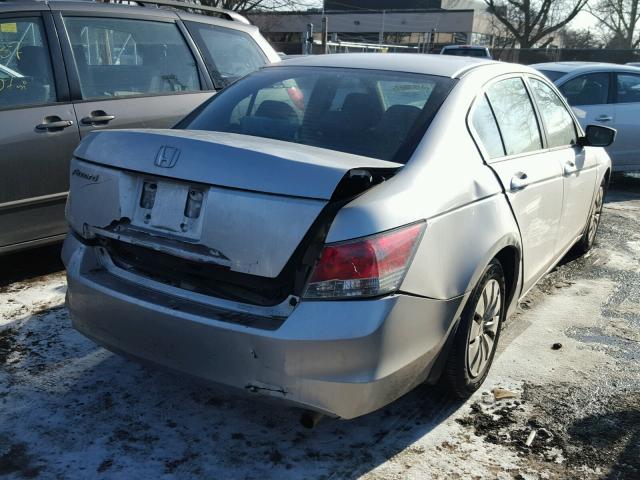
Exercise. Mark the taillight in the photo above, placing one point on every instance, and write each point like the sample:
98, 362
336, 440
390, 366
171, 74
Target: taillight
365, 267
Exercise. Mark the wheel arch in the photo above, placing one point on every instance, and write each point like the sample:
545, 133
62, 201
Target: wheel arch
507, 250
607, 178
510, 259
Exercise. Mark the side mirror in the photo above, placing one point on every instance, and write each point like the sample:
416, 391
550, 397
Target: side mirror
597, 136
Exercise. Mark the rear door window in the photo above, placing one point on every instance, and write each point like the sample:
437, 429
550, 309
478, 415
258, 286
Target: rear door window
561, 130
627, 88
229, 54
121, 57
484, 123
26, 76
590, 89
515, 116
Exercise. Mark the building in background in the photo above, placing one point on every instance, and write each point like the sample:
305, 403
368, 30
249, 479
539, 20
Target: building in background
412, 25
355, 5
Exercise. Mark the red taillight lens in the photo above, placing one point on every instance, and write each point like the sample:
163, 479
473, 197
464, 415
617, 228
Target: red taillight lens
366, 267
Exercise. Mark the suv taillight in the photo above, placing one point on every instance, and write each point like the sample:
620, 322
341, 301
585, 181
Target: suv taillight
365, 267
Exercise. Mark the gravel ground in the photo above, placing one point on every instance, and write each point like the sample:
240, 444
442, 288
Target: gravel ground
69, 409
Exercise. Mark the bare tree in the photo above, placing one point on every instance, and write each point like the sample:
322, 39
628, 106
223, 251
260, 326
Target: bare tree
620, 20
533, 21
581, 39
257, 5
502, 41
244, 5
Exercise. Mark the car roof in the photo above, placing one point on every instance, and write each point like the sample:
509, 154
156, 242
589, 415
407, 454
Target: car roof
160, 11
580, 67
430, 64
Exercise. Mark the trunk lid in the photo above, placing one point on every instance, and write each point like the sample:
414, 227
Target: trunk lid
227, 208
227, 160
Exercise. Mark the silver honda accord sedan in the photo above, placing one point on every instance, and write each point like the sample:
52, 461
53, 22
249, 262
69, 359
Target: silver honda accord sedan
333, 230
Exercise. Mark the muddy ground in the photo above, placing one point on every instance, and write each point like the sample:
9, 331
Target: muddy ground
568, 364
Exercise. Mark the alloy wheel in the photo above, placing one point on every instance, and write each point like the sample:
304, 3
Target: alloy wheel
484, 328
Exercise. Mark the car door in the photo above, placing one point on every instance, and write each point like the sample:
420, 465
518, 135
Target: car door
591, 98
579, 165
38, 131
627, 122
129, 72
505, 122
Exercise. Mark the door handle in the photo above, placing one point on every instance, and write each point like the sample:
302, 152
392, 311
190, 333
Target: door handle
97, 117
54, 123
604, 118
570, 167
519, 181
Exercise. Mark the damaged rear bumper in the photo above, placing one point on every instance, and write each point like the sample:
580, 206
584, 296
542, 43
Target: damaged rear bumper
342, 358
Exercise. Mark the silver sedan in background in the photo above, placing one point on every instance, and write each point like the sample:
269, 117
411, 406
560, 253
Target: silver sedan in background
603, 94
334, 230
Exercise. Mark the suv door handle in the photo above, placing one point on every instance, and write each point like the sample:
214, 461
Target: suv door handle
519, 181
54, 123
570, 167
604, 118
98, 117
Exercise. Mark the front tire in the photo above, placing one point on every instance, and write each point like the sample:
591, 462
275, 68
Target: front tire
477, 336
593, 222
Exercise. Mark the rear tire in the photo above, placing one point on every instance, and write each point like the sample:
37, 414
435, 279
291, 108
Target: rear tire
593, 222
478, 332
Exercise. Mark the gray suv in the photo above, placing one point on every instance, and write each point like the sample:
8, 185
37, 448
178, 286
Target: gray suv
69, 68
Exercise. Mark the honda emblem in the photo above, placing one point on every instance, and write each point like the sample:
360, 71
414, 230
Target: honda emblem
167, 157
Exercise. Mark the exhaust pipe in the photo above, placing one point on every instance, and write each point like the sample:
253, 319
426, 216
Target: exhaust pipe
310, 419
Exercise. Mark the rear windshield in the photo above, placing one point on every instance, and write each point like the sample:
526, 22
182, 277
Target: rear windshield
552, 74
466, 52
378, 114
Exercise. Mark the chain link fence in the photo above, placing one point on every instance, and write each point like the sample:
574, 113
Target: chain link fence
540, 55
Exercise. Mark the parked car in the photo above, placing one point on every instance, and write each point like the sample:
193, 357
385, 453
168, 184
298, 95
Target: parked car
466, 51
126, 66
604, 94
333, 230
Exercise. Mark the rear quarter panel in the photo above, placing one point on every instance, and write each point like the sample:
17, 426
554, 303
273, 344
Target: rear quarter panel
447, 183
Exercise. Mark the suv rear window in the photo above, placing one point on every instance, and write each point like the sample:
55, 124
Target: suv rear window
466, 52
378, 114
229, 54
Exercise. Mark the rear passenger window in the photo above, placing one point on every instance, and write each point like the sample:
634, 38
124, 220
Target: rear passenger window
229, 54
119, 57
590, 89
485, 125
26, 77
561, 130
627, 88
515, 116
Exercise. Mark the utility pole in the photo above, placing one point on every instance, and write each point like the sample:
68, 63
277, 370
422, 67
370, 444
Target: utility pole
381, 37
325, 30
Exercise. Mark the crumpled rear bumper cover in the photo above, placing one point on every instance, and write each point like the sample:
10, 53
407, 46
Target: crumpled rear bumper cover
342, 358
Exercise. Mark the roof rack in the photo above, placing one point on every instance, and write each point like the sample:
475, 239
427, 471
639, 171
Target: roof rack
228, 14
